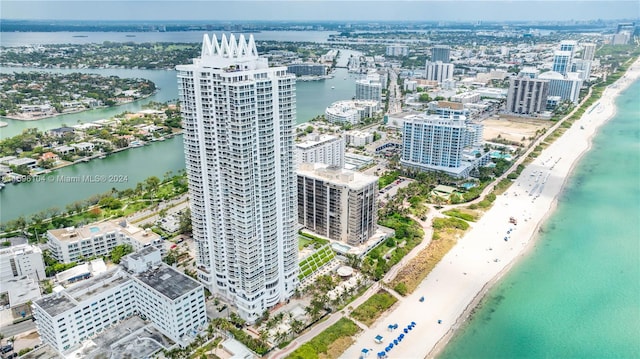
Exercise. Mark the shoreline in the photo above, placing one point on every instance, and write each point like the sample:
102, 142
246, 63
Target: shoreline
14, 118
87, 160
477, 301
469, 270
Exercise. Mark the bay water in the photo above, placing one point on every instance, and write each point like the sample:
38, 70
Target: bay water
577, 292
135, 165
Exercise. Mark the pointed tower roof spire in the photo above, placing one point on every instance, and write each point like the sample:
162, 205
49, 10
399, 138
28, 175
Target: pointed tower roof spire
229, 48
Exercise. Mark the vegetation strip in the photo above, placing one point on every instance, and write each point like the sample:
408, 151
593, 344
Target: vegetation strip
332, 342
369, 311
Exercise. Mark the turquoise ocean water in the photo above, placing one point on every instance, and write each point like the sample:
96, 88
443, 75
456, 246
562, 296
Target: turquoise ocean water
577, 293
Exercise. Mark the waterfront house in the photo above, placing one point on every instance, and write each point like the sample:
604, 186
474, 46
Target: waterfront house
84, 146
50, 156
60, 131
30, 163
64, 150
6, 159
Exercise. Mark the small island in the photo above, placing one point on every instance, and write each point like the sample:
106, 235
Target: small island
34, 152
36, 95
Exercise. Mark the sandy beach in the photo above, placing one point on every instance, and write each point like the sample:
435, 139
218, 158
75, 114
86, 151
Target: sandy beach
490, 247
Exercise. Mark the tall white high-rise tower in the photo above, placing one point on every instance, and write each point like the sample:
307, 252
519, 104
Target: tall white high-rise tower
238, 117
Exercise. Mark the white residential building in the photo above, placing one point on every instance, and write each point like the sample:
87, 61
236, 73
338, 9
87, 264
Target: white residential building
434, 143
369, 88
98, 239
323, 148
145, 286
410, 85
439, 71
358, 138
21, 260
466, 97
336, 203
566, 87
21, 269
397, 50
238, 117
351, 111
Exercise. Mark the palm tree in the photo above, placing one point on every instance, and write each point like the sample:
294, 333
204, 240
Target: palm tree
297, 326
280, 337
264, 335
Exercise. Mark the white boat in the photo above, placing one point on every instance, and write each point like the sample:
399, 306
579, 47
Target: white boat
333, 87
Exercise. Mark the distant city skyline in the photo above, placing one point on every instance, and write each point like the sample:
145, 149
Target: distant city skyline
358, 10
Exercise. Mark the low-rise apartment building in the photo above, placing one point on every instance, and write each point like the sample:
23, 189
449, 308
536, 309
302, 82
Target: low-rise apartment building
142, 285
98, 239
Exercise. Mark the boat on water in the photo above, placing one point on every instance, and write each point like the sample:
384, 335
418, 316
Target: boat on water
2, 186
80, 36
333, 87
130, 35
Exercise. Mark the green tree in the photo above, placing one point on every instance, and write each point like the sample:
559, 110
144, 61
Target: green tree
424, 97
185, 222
120, 251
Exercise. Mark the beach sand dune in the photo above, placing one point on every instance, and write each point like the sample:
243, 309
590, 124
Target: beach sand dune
491, 246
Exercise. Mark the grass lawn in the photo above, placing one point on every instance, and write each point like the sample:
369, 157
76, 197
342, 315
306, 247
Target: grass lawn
303, 241
331, 343
374, 307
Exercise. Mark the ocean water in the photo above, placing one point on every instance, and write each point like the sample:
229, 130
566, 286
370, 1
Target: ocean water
577, 293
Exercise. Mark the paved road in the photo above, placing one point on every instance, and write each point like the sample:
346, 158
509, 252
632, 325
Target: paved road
15, 329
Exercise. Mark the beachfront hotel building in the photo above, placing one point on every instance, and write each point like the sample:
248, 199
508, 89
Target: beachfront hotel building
527, 95
562, 61
337, 203
74, 244
141, 285
445, 144
438, 71
328, 149
566, 87
238, 119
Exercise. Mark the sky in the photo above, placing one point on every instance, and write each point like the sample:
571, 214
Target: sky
309, 10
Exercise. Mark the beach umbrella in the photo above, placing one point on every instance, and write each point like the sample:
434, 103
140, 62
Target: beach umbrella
387, 349
406, 330
395, 341
413, 323
391, 345
401, 336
